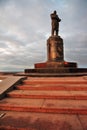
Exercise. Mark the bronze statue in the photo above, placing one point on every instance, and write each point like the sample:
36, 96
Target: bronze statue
55, 23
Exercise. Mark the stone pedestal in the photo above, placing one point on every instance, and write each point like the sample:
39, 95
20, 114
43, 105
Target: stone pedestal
55, 49
55, 57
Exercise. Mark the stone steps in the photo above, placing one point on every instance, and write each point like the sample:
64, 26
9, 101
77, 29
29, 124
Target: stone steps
51, 87
47, 96
43, 94
27, 82
44, 105
33, 94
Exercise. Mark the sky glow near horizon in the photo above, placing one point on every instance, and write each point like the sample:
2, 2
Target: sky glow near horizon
25, 26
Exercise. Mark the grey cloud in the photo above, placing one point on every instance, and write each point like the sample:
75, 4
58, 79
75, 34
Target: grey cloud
76, 49
3, 2
25, 27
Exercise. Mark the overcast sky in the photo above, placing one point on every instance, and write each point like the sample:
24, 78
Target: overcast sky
25, 25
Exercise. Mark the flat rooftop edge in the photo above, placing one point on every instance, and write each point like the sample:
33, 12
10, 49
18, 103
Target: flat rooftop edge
8, 84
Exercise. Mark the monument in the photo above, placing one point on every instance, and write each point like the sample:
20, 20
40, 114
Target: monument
55, 52
55, 43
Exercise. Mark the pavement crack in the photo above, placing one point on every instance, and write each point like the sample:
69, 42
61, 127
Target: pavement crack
80, 122
43, 102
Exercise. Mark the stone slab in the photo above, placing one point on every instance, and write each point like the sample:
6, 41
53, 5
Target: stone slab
22, 102
39, 121
58, 78
54, 82
40, 94
45, 105
44, 92
53, 87
45, 87
78, 93
83, 120
8, 83
49, 94
65, 106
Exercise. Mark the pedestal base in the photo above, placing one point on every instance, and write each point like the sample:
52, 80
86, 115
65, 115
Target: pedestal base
55, 65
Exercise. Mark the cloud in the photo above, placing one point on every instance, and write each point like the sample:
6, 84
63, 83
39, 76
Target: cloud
25, 26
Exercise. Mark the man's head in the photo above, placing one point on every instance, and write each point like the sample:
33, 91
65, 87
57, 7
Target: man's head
54, 11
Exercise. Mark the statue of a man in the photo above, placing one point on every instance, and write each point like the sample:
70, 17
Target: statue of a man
55, 23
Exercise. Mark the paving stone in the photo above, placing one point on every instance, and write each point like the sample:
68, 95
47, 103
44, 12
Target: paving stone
55, 94
22, 102
83, 121
41, 121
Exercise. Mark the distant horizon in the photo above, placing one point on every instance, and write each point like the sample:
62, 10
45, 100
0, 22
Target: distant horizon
14, 71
